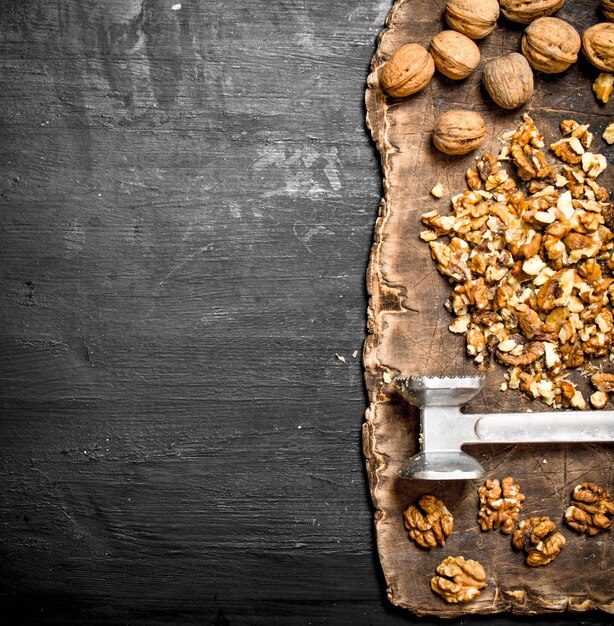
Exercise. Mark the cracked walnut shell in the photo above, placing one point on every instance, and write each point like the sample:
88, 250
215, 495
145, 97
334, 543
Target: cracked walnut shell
537, 537
525, 11
430, 523
590, 510
500, 505
598, 46
550, 45
458, 579
456, 55
474, 18
509, 80
407, 71
458, 132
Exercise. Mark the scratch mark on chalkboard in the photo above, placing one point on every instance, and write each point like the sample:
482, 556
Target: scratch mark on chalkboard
381, 11
184, 262
332, 169
74, 239
306, 237
301, 170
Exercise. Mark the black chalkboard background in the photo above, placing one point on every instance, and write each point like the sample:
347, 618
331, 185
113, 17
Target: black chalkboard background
188, 197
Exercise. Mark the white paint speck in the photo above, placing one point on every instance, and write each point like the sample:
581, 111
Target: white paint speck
175, 7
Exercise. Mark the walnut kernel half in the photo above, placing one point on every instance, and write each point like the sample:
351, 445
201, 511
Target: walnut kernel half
458, 580
500, 504
537, 537
429, 523
590, 510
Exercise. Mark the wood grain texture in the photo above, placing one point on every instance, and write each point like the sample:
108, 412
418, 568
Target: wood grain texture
187, 205
408, 335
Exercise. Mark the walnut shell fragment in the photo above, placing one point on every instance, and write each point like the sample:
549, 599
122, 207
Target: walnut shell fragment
509, 80
550, 45
408, 71
430, 523
456, 55
598, 46
500, 505
537, 537
459, 580
474, 18
590, 510
458, 132
525, 11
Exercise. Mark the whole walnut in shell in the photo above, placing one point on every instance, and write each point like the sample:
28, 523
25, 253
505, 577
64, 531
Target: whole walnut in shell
509, 80
407, 71
474, 18
598, 45
550, 45
607, 8
525, 11
458, 132
456, 55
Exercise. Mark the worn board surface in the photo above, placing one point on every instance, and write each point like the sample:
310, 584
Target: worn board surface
408, 326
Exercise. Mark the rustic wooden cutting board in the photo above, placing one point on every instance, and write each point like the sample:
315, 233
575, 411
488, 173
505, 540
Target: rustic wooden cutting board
408, 334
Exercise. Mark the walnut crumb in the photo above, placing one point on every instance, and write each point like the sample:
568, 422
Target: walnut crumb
437, 191
608, 133
602, 87
458, 580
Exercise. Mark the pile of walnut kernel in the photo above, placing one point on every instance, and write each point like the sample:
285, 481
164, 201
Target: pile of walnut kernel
531, 264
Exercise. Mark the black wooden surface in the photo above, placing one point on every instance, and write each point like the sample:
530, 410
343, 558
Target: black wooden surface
187, 204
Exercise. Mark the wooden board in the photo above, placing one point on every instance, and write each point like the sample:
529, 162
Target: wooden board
408, 334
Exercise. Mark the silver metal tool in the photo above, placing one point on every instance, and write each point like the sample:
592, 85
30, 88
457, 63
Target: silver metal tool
444, 428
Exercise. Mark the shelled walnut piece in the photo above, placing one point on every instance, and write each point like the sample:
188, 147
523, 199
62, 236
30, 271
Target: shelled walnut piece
537, 537
531, 262
430, 523
590, 510
603, 85
458, 580
500, 505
